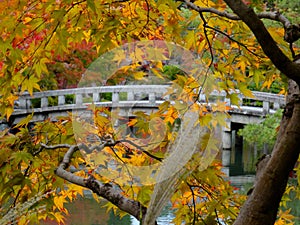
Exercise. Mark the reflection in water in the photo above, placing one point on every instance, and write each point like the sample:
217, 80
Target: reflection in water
86, 211
242, 169
165, 218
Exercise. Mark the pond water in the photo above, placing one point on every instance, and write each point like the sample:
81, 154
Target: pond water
86, 211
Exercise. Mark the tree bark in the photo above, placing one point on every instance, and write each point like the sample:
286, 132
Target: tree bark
108, 191
262, 205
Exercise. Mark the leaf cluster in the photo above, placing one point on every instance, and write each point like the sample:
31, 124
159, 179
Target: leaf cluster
28, 180
48, 42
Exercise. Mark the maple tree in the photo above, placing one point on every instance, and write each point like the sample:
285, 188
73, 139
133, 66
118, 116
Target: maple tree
227, 37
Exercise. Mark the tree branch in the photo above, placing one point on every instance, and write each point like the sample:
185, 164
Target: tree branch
263, 203
233, 40
292, 32
211, 10
108, 191
139, 148
269, 46
194, 203
276, 16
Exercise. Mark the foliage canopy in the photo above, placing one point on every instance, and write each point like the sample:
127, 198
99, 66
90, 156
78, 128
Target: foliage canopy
47, 41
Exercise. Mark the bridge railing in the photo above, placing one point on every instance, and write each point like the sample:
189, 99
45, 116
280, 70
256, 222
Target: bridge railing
82, 96
261, 102
150, 95
269, 101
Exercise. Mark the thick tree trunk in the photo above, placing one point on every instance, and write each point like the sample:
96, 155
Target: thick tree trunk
262, 205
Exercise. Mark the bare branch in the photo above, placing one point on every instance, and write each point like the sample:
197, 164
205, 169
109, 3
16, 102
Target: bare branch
211, 55
194, 203
113, 194
276, 16
211, 10
148, 17
140, 148
55, 146
61, 170
292, 32
109, 191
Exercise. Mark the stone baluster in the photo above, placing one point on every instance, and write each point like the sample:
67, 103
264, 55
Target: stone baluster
226, 146
202, 98
276, 105
96, 97
61, 100
130, 96
152, 97
165, 97
115, 97
78, 99
226, 140
241, 98
228, 102
44, 102
28, 103
266, 107
22, 102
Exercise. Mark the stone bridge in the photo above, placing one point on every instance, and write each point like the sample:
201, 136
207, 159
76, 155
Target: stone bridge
130, 98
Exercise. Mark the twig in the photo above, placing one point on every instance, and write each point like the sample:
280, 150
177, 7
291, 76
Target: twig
148, 17
218, 220
211, 55
276, 16
194, 203
140, 148
292, 50
232, 39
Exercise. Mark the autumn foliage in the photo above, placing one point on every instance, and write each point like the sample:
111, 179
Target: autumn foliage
51, 44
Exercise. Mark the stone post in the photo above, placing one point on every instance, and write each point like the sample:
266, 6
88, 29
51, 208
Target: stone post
44, 102
266, 107
130, 96
226, 149
61, 100
96, 97
152, 97
115, 97
78, 99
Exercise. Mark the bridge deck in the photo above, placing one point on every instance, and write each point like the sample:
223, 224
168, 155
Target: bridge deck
130, 98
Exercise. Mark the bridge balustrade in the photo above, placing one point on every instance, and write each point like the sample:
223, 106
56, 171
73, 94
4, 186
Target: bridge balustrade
145, 95
148, 94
